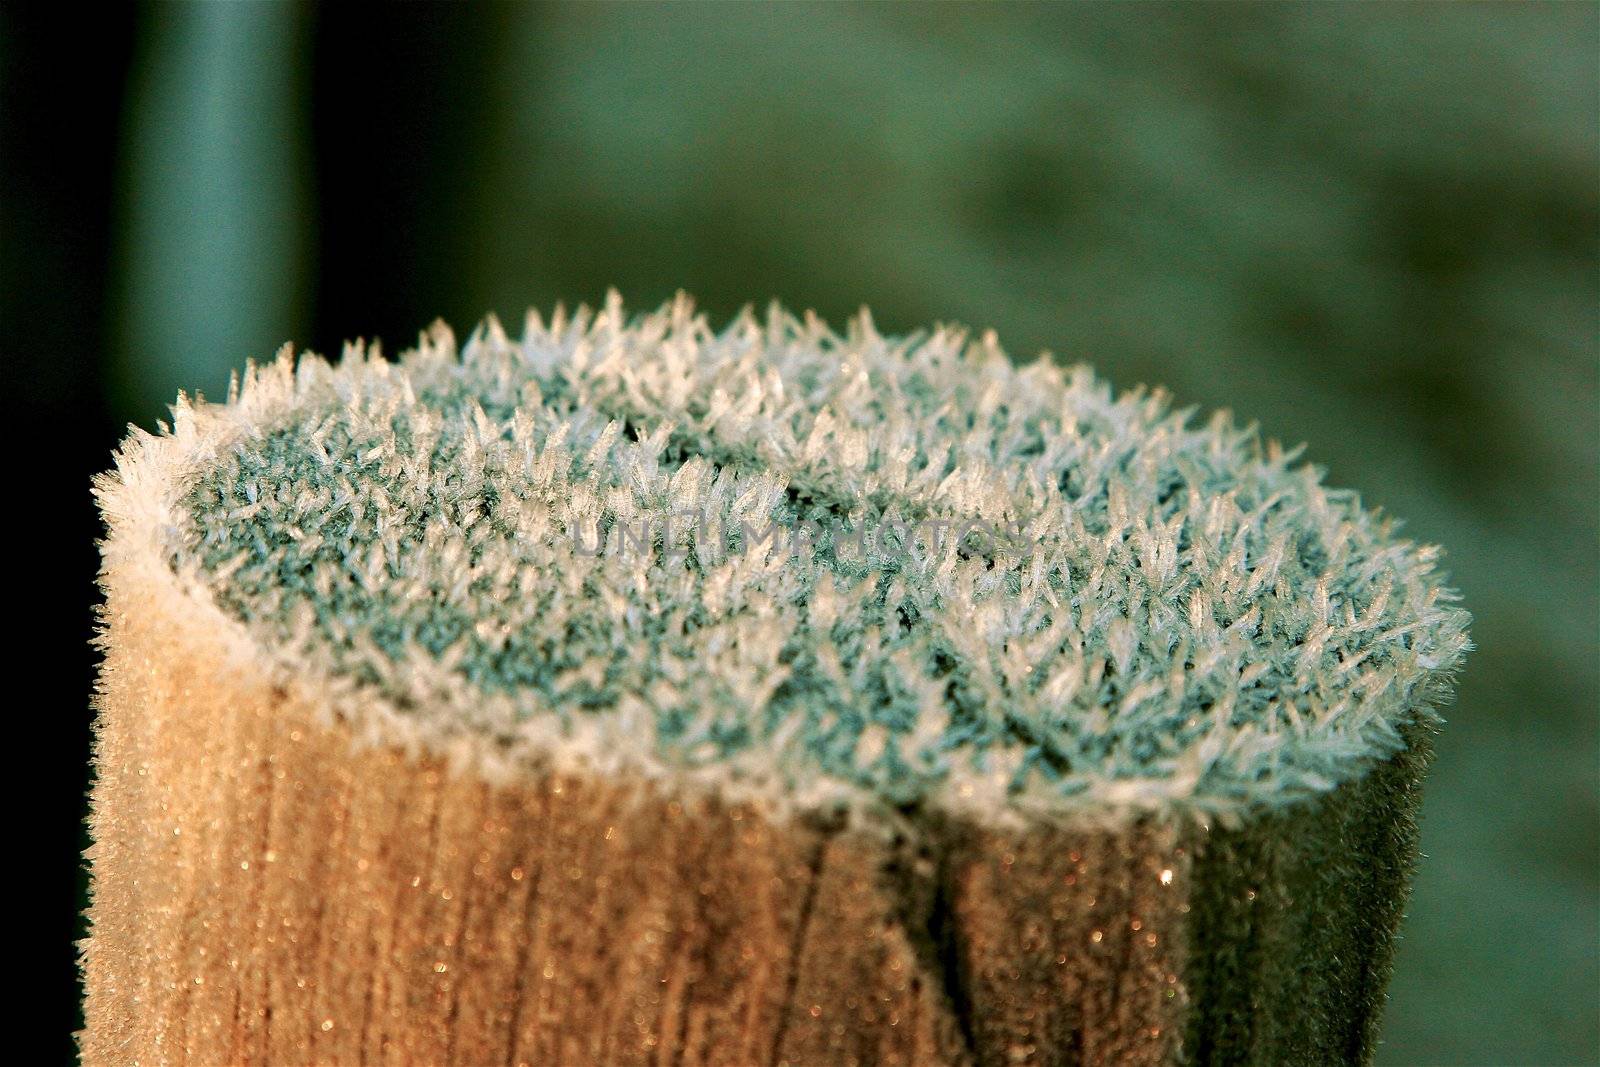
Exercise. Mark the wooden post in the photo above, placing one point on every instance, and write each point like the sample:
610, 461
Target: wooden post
268, 893
278, 882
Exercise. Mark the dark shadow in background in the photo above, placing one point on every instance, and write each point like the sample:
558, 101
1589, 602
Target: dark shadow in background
60, 110
396, 124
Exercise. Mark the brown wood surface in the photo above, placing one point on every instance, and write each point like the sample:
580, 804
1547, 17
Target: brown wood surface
266, 892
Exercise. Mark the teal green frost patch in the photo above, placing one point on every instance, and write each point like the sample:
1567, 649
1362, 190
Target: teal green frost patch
904, 565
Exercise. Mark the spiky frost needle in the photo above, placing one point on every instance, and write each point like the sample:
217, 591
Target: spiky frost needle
1132, 611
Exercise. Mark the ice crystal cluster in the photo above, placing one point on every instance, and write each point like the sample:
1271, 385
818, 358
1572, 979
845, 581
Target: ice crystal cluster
814, 566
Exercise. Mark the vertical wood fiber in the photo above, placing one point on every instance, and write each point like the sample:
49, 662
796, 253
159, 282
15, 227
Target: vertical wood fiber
266, 892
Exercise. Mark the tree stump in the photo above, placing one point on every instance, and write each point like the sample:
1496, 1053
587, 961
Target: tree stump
977, 715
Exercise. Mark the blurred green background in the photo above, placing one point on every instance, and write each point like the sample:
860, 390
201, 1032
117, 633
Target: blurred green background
1374, 228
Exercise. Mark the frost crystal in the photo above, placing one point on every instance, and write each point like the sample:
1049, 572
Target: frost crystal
812, 567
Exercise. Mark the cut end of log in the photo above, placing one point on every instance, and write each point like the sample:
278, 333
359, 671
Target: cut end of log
635, 692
